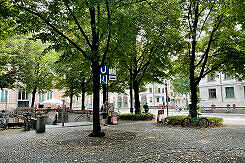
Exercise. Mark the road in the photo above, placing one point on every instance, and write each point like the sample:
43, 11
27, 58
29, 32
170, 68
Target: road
229, 118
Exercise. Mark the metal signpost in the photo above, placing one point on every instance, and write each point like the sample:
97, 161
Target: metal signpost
105, 76
166, 85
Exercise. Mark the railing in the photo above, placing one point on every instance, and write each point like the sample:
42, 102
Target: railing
220, 107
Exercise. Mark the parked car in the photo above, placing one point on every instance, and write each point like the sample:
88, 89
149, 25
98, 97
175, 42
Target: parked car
206, 110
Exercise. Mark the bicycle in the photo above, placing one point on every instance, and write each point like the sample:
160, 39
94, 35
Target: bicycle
203, 122
3, 120
27, 121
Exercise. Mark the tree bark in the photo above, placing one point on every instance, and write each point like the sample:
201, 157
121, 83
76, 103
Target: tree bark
193, 82
83, 95
33, 96
96, 76
193, 108
131, 97
71, 99
96, 92
131, 92
136, 96
104, 93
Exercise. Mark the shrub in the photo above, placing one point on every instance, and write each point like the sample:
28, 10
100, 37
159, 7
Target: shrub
137, 117
215, 120
176, 120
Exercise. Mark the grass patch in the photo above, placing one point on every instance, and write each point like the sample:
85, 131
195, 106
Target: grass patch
215, 121
137, 117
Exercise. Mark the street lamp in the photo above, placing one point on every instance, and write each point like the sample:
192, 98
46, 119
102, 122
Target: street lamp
166, 90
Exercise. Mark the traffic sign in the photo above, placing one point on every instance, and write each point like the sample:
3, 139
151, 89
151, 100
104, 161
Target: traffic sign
103, 70
112, 71
103, 79
112, 77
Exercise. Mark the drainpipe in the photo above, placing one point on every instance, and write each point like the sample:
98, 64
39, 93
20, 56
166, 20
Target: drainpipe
221, 88
153, 95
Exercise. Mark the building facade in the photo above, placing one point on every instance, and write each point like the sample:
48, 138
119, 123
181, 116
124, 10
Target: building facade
222, 90
154, 95
14, 98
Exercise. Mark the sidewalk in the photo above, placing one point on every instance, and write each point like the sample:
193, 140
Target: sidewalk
127, 142
70, 124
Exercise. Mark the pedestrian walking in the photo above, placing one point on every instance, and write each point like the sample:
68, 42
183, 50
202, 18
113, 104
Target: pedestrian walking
104, 112
146, 108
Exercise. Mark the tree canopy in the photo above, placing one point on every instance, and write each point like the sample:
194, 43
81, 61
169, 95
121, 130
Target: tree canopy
210, 29
32, 63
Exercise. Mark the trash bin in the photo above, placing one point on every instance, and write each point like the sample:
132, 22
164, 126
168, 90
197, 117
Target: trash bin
40, 124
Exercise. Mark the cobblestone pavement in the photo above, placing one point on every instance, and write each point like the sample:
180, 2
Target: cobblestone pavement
126, 142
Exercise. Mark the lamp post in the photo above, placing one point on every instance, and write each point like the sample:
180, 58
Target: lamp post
166, 90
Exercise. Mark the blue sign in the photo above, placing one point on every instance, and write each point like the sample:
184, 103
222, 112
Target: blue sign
103, 70
103, 79
112, 77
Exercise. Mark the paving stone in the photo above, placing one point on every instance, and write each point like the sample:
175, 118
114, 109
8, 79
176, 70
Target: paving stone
126, 142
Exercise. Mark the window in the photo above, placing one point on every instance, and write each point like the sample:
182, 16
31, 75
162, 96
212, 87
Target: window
162, 90
22, 95
227, 77
41, 97
211, 78
4, 96
150, 90
125, 101
23, 99
244, 91
159, 90
157, 99
150, 99
212, 93
50, 95
229, 92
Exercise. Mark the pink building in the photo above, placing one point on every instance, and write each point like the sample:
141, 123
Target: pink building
12, 98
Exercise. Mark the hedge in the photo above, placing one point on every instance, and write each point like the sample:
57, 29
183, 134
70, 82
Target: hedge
137, 117
176, 120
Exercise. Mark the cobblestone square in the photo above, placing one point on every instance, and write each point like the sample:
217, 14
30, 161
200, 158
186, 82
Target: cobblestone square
126, 142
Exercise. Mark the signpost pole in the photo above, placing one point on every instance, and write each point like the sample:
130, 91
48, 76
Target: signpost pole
107, 86
166, 85
63, 113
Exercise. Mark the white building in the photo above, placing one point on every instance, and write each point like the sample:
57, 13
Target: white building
155, 95
221, 91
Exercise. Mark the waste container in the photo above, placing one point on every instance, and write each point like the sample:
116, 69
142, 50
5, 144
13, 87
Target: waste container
40, 124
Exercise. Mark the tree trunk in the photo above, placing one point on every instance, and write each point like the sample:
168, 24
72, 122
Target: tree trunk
136, 96
104, 93
96, 92
33, 96
71, 99
131, 91
193, 109
83, 95
131, 97
193, 85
